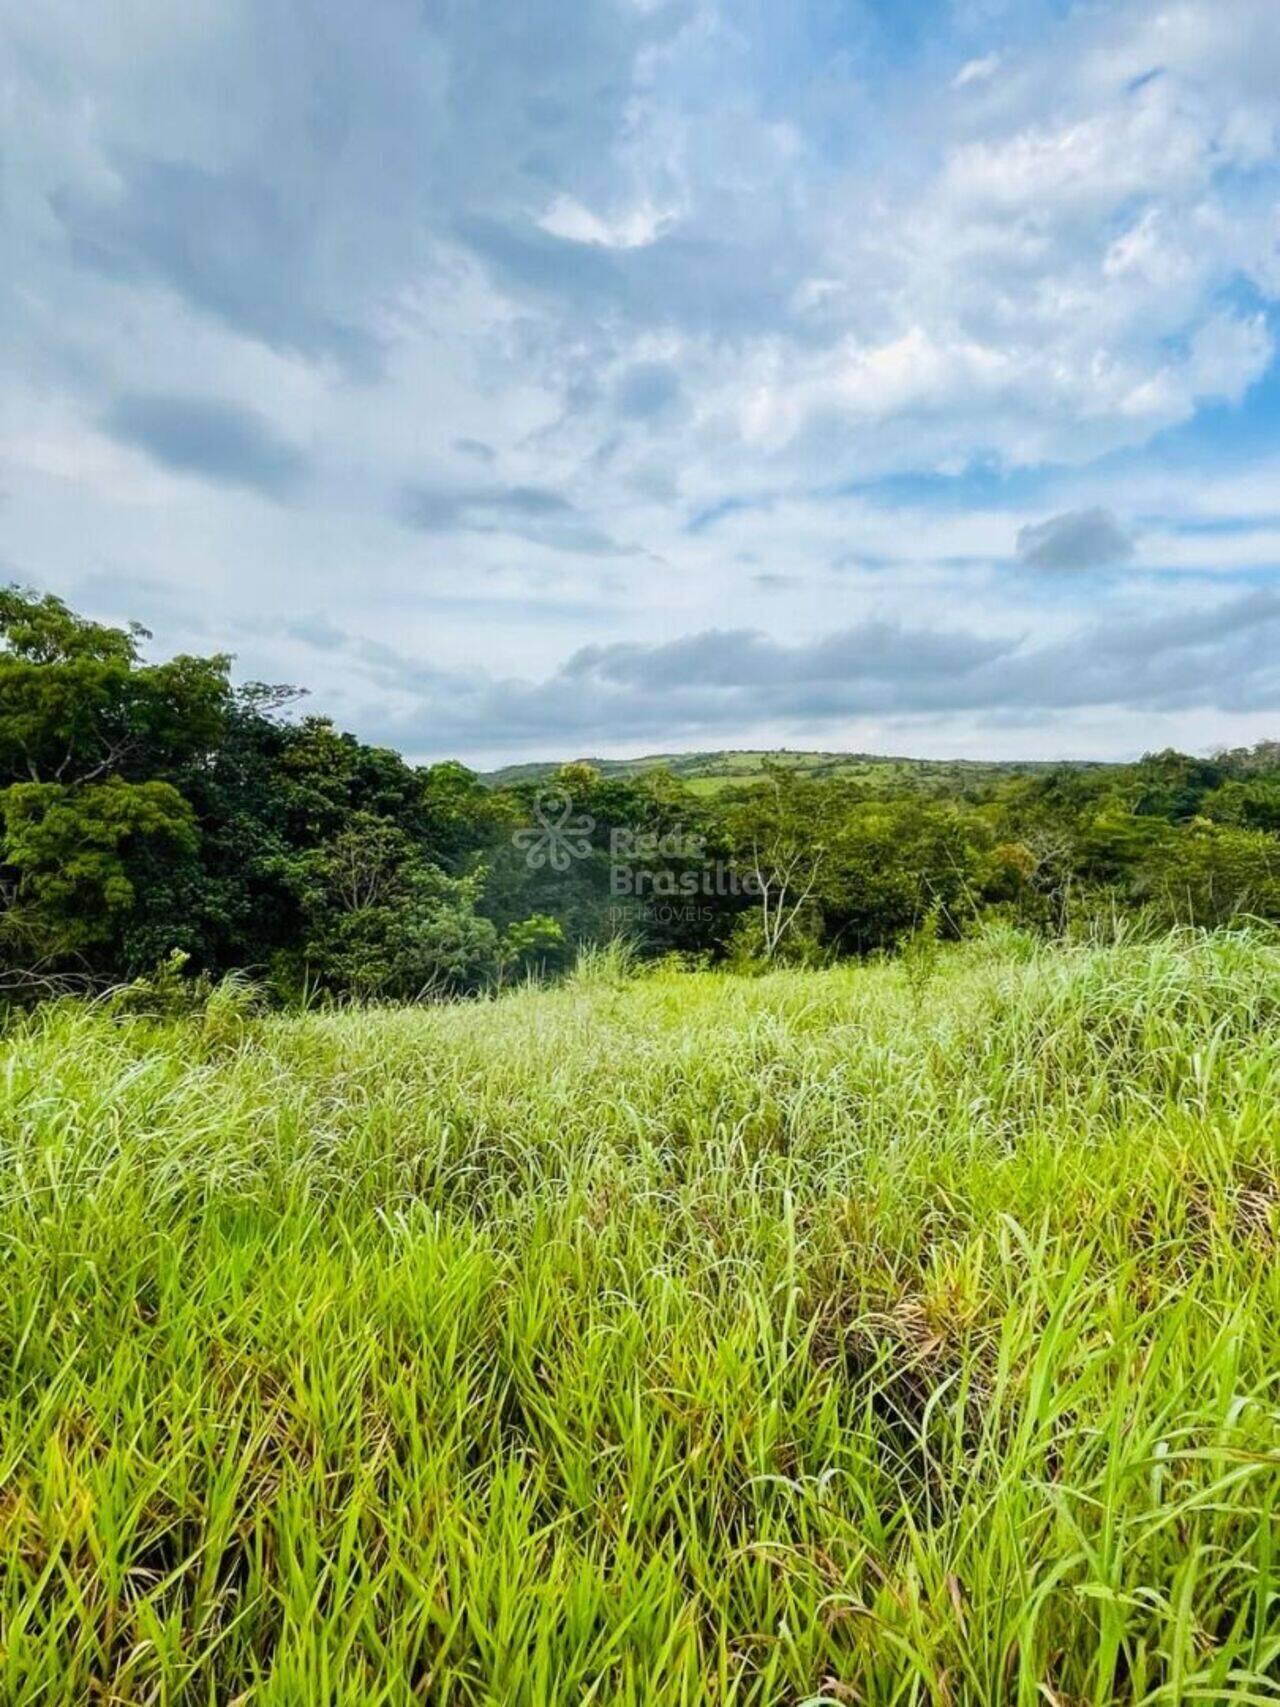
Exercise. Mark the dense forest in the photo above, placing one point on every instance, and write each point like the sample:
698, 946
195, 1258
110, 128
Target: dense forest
162, 824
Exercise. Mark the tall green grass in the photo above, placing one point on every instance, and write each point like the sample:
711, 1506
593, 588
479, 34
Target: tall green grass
805, 1338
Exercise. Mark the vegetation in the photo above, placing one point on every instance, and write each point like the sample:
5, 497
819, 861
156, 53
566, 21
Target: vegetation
710, 772
891, 1333
866, 1329
148, 809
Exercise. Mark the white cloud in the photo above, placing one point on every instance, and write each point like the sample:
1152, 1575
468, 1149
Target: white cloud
976, 71
634, 229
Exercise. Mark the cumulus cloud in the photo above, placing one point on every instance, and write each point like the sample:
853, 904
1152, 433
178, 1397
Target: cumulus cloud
1077, 539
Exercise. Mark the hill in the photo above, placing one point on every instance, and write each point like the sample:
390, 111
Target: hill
708, 772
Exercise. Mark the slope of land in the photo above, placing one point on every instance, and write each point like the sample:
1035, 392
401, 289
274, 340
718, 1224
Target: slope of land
711, 771
885, 1334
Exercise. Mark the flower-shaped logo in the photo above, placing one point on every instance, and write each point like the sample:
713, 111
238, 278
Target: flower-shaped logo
559, 836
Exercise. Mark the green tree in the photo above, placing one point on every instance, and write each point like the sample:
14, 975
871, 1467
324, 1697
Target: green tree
77, 703
71, 850
893, 863
381, 920
780, 834
1212, 874
1251, 803
528, 943
90, 740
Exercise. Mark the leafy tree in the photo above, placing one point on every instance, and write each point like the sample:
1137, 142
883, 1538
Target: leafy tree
1172, 786
466, 818
527, 943
1252, 803
77, 704
150, 814
893, 863
380, 919
1213, 875
780, 850
70, 847
1263, 759
89, 739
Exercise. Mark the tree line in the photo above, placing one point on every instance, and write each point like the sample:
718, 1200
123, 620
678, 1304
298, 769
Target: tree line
155, 815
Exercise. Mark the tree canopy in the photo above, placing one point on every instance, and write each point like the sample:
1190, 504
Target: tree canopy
152, 809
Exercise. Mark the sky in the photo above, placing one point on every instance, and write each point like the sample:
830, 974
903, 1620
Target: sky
538, 378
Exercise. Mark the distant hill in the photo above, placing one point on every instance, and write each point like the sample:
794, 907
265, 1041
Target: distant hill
707, 773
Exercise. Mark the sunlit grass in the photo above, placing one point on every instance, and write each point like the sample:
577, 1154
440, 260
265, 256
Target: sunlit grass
692, 1339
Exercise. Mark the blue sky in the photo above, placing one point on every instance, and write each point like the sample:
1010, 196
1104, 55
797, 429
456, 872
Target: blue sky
543, 379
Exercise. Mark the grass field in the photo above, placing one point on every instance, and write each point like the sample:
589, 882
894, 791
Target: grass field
819, 1337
